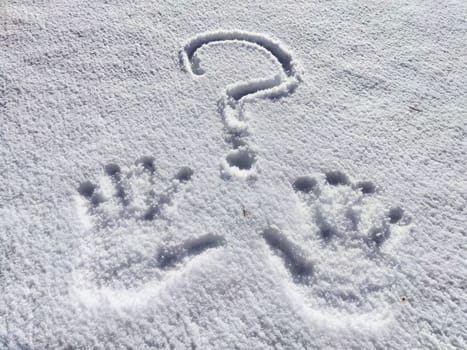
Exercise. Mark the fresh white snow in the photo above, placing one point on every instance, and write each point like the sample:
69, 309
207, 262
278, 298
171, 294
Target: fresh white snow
233, 175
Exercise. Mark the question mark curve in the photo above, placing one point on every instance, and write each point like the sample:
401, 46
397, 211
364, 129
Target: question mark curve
240, 161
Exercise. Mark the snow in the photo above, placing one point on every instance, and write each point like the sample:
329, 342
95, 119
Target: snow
221, 175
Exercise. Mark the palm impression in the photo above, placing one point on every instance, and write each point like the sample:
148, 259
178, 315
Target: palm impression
342, 263
126, 246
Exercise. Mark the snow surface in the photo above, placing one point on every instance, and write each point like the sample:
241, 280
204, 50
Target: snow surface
233, 175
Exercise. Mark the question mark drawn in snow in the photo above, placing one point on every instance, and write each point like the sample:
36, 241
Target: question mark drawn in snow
241, 160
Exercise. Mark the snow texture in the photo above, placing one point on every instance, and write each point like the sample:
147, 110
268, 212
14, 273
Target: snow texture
233, 175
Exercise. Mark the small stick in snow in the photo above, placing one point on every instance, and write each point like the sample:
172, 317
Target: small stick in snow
243, 211
414, 109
